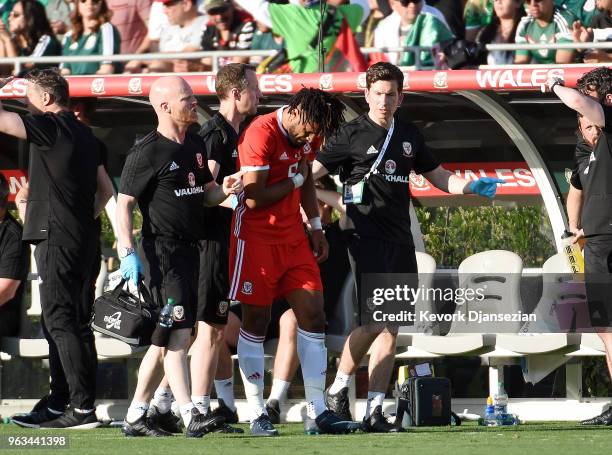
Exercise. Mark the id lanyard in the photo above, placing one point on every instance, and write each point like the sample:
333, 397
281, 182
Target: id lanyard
382, 151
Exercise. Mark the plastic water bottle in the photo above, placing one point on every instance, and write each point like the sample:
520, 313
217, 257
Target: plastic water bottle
165, 316
500, 404
573, 255
489, 410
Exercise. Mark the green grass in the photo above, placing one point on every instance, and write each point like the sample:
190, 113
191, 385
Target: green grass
534, 438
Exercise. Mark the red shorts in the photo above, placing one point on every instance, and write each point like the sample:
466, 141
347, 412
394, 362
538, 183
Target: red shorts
260, 273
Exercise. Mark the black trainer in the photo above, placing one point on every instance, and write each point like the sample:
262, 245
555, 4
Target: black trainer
378, 423
339, 403
273, 410
331, 423
74, 420
169, 422
262, 426
34, 419
605, 418
201, 424
225, 411
143, 427
41, 404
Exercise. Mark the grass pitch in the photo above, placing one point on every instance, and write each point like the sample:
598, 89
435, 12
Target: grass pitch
531, 438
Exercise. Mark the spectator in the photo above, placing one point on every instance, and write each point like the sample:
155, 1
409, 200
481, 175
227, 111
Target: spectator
476, 15
502, 29
379, 9
30, 33
452, 10
91, 34
301, 40
413, 23
583, 10
227, 29
545, 23
14, 266
58, 13
599, 31
182, 33
131, 19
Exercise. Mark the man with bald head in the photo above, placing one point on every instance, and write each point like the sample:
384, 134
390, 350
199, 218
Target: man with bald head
171, 186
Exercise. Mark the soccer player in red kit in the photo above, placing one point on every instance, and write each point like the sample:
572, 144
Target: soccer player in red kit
270, 255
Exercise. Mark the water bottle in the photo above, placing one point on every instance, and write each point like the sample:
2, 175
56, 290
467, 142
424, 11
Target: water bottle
573, 255
500, 404
489, 410
165, 316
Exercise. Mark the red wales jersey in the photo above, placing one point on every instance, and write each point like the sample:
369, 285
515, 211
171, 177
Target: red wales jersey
264, 146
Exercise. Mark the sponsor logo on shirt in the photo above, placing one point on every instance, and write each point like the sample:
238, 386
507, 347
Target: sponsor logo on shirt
189, 191
191, 179
372, 150
200, 160
247, 288
178, 313
174, 166
97, 86
326, 82
284, 156
235, 154
397, 178
307, 149
440, 79
407, 147
135, 86
390, 167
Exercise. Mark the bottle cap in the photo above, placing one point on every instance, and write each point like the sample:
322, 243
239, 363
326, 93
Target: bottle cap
489, 400
170, 301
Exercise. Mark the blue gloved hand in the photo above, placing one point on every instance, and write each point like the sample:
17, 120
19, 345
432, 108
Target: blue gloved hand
485, 186
131, 268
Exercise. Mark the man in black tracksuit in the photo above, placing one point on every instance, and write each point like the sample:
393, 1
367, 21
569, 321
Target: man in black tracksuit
62, 205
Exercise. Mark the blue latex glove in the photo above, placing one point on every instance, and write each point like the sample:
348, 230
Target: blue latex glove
131, 268
485, 186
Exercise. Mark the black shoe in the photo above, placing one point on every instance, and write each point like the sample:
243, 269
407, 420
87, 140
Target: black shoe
74, 419
605, 418
273, 410
34, 419
378, 423
339, 403
262, 426
169, 422
43, 403
331, 423
143, 427
224, 411
201, 424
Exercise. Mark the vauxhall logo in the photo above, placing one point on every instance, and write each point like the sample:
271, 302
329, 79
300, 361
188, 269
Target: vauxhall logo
113, 321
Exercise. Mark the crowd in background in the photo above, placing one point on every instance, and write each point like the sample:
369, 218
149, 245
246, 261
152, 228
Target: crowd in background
291, 29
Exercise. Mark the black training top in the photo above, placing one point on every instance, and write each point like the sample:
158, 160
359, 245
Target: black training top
352, 152
221, 142
14, 265
64, 157
581, 161
168, 180
597, 186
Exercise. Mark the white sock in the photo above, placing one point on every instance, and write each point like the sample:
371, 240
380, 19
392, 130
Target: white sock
251, 362
162, 399
136, 410
225, 392
342, 380
279, 390
313, 358
374, 399
186, 413
202, 402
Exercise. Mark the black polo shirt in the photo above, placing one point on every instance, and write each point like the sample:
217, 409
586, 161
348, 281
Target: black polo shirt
352, 152
168, 179
597, 186
221, 141
14, 265
581, 161
64, 157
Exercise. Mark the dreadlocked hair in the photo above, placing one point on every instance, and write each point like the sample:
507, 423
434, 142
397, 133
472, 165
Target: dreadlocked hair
318, 108
598, 80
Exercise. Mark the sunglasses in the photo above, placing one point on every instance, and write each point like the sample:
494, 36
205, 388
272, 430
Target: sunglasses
95, 2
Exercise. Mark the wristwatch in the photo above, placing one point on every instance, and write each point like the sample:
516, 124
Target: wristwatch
125, 252
558, 81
